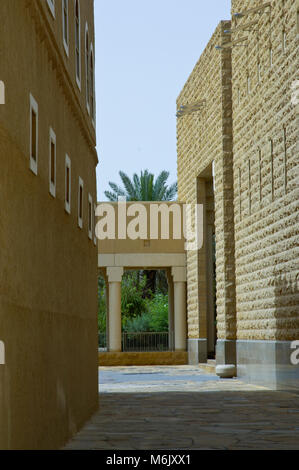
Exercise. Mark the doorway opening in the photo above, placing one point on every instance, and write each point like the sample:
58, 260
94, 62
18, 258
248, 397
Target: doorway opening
207, 263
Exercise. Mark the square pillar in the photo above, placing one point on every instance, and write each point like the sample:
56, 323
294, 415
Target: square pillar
170, 312
180, 301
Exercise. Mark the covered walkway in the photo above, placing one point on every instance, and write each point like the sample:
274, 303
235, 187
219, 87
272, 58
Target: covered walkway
182, 407
143, 236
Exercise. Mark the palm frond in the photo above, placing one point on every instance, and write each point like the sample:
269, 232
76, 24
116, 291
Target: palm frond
143, 187
171, 192
129, 187
160, 185
146, 180
111, 196
117, 189
137, 184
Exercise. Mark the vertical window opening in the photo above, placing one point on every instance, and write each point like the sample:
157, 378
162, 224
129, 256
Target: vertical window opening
86, 68
33, 135
77, 43
52, 163
65, 25
92, 108
94, 225
80, 203
51, 5
89, 216
67, 184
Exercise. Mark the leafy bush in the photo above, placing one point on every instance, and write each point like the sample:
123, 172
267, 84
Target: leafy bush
138, 324
154, 319
138, 314
158, 310
132, 302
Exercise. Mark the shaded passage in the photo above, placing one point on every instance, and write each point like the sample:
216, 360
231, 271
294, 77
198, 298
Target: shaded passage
184, 408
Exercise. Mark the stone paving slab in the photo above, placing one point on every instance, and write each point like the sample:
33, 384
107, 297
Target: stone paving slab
184, 408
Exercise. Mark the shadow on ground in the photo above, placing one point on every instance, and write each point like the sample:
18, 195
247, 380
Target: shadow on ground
213, 417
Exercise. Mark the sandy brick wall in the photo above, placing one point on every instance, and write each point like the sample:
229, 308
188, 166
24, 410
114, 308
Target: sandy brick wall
203, 137
256, 197
266, 173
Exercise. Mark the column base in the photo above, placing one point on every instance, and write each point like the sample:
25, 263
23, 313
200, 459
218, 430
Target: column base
197, 351
225, 351
267, 363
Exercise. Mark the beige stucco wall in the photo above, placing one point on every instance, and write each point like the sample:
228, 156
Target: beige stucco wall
204, 137
48, 276
68, 61
266, 199
146, 245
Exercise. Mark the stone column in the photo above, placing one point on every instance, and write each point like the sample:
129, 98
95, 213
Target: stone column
103, 274
170, 311
107, 313
180, 301
114, 276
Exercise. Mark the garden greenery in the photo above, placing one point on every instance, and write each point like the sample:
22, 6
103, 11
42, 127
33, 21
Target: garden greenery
140, 312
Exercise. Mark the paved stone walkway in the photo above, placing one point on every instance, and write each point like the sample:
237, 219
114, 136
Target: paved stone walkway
182, 407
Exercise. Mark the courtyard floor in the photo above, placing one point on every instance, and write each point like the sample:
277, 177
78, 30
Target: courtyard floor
183, 407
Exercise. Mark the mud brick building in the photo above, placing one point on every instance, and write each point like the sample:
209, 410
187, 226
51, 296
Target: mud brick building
48, 283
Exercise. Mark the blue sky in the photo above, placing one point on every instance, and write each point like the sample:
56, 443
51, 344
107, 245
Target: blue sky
145, 51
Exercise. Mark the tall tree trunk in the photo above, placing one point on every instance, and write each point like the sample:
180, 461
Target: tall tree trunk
150, 286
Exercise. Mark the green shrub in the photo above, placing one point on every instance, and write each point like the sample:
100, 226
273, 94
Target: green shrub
158, 310
138, 324
132, 302
155, 318
138, 314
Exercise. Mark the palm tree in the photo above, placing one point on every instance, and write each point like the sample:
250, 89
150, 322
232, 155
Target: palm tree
145, 188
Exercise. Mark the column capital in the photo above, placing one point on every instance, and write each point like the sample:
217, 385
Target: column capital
114, 274
179, 274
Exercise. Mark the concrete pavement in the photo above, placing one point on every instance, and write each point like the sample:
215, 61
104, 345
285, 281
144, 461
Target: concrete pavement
183, 407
